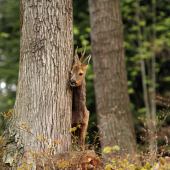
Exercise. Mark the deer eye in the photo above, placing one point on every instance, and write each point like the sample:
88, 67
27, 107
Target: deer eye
70, 73
80, 74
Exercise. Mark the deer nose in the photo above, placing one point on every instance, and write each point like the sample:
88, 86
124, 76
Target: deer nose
72, 82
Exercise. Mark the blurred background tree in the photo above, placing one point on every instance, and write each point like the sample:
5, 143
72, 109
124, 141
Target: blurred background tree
9, 57
114, 115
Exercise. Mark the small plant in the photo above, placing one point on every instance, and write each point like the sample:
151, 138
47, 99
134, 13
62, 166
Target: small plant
7, 115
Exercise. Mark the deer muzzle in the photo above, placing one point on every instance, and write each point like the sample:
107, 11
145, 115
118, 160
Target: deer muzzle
73, 82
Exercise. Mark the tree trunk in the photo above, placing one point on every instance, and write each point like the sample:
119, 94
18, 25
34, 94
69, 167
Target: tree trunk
110, 77
153, 93
143, 72
150, 108
43, 103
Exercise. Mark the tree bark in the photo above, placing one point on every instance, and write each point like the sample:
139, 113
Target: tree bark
110, 77
43, 103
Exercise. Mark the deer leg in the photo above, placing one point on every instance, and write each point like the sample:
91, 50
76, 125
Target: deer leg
82, 134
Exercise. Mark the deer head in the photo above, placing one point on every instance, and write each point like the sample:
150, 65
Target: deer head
78, 71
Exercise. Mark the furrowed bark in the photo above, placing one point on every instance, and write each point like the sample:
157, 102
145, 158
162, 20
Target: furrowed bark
44, 98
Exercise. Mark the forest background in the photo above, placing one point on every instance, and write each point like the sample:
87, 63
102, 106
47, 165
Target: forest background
10, 47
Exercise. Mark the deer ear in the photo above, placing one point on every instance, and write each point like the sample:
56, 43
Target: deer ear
86, 61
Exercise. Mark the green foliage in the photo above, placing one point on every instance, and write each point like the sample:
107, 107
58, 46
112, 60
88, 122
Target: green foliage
133, 163
116, 148
81, 24
9, 54
73, 129
107, 149
162, 46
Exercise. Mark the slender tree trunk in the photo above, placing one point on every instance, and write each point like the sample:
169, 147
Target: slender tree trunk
110, 77
153, 98
142, 62
43, 104
150, 110
153, 93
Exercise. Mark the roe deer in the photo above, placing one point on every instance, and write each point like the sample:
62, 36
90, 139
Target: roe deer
80, 114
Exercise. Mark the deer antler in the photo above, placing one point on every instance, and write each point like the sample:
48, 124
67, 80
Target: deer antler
82, 54
76, 58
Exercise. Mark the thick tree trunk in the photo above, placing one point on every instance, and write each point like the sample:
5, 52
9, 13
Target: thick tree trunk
44, 97
110, 77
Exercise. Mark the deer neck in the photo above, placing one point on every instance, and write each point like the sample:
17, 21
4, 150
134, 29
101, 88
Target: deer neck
79, 97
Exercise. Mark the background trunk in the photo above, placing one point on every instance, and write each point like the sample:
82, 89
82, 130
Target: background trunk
110, 77
153, 93
143, 72
150, 63
44, 97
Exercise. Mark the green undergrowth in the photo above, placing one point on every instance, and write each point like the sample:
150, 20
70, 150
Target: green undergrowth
143, 161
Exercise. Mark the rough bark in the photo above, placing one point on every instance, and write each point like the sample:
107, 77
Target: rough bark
44, 97
110, 77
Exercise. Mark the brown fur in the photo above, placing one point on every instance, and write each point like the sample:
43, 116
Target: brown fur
80, 114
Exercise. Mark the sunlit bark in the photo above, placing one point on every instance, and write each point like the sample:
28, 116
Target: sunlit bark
44, 97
